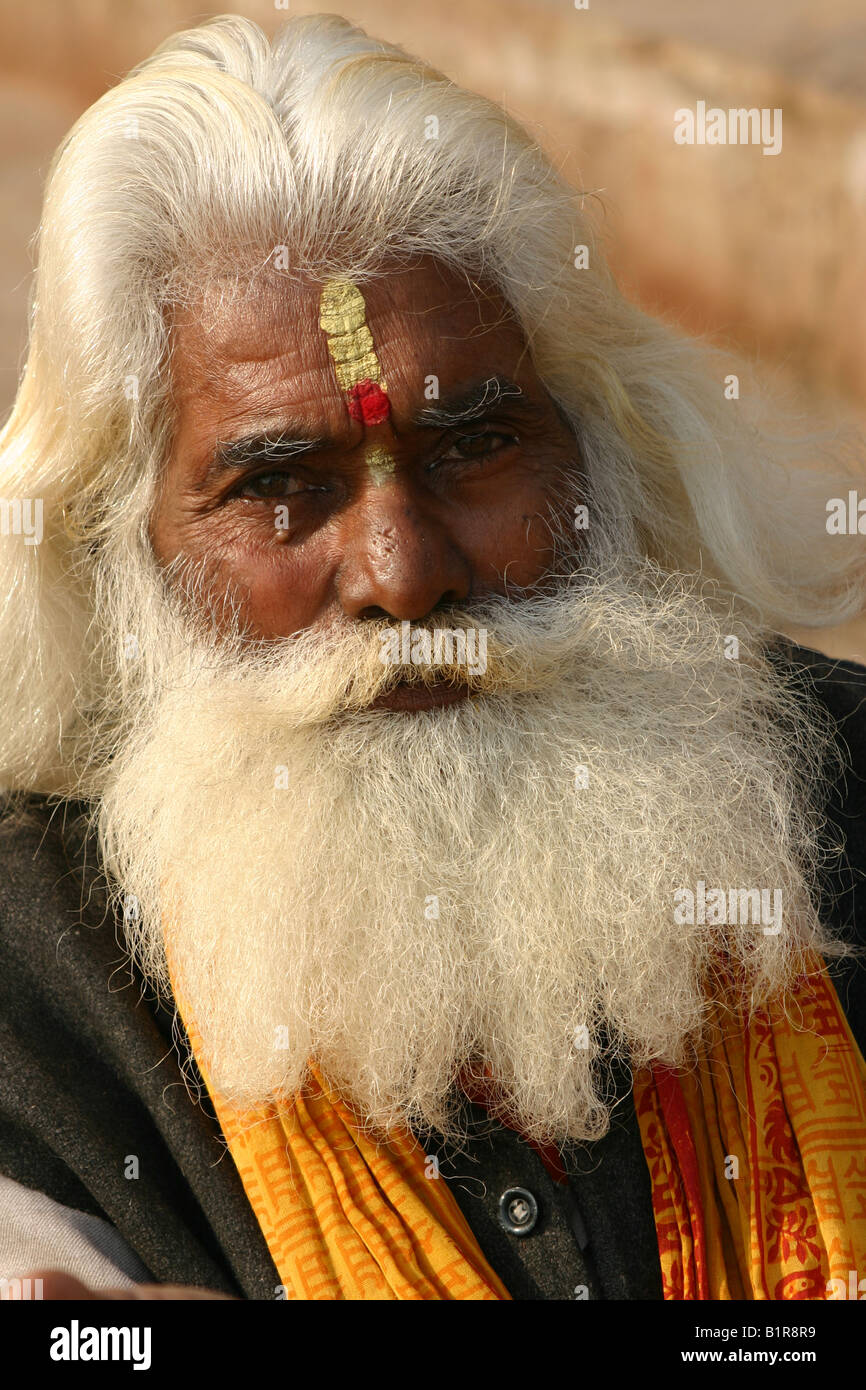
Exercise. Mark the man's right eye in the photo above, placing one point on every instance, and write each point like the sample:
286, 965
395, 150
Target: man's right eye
265, 486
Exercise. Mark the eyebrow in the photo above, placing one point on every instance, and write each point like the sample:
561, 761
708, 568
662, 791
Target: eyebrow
472, 403
461, 407
233, 456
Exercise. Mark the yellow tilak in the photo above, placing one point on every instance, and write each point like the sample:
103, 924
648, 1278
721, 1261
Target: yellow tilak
381, 464
342, 316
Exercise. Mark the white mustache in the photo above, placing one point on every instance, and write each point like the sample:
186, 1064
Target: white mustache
592, 619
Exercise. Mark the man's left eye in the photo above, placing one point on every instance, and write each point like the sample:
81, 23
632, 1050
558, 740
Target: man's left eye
474, 446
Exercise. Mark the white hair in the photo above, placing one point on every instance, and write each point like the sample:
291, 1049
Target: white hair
223, 147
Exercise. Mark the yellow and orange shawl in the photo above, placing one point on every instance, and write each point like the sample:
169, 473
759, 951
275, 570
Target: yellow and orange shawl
757, 1159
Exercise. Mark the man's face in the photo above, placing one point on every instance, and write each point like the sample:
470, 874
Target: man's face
490, 884
391, 518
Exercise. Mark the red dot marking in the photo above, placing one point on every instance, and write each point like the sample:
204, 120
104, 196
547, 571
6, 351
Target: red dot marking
368, 402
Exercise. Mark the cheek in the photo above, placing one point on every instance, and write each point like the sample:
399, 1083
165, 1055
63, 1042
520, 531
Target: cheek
512, 540
278, 587
277, 600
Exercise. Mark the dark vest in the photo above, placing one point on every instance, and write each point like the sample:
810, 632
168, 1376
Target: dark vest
89, 1078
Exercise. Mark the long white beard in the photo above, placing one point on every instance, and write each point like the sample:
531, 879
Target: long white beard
402, 895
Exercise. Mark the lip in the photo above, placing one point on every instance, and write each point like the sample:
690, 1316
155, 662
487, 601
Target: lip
408, 698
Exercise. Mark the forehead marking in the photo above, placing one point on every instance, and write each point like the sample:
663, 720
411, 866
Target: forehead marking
381, 463
342, 316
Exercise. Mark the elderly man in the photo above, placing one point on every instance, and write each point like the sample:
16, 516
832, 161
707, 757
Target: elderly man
409, 789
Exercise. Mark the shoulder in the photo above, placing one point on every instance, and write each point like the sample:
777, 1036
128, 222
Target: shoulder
56, 930
840, 687
46, 866
90, 1076
71, 1010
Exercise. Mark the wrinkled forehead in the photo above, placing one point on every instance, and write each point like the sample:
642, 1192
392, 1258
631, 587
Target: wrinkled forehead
420, 318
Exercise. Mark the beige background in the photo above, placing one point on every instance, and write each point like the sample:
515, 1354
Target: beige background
767, 255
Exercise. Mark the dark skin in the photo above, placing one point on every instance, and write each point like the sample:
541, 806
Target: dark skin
459, 517
463, 513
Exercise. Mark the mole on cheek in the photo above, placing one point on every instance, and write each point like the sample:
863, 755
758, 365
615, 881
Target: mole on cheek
342, 316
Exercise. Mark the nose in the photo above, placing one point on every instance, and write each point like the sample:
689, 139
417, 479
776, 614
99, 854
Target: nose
399, 560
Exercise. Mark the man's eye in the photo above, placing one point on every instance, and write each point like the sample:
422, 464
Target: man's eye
477, 446
267, 485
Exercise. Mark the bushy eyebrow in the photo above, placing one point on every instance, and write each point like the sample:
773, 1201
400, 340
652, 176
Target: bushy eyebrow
234, 455
464, 406
472, 403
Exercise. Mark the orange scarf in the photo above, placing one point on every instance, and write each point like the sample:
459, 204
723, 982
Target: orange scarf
757, 1160
758, 1157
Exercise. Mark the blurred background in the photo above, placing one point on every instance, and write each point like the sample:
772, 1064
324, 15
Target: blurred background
765, 255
